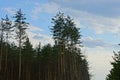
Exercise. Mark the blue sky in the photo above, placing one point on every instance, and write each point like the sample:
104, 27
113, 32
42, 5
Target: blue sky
98, 20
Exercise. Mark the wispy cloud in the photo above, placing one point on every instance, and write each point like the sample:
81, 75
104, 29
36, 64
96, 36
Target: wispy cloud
9, 10
35, 29
85, 1
36, 36
99, 24
44, 8
90, 42
97, 7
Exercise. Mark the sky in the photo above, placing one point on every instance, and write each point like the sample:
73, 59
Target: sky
97, 19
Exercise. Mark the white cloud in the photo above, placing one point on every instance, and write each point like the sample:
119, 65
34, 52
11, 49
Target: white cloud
90, 42
9, 10
35, 35
35, 29
47, 7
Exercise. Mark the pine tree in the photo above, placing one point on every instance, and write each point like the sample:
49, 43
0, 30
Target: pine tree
8, 29
2, 36
5, 29
20, 26
115, 71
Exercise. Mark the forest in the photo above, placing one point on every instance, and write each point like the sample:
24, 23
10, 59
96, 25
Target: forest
62, 61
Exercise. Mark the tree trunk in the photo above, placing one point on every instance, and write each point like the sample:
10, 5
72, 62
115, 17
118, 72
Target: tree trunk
11, 71
27, 72
1, 56
19, 59
6, 57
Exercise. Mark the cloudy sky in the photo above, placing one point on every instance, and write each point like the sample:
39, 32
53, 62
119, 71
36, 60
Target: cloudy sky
99, 21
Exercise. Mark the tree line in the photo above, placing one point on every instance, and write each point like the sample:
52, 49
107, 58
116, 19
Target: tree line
61, 61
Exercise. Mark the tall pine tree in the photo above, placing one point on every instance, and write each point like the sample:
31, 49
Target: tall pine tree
20, 28
8, 29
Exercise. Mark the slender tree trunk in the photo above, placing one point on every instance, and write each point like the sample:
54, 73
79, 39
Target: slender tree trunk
1, 55
1, 50
12, 70
27, 72
39, 75
6, 57
19, 59
0, 62
59, 67
0, 58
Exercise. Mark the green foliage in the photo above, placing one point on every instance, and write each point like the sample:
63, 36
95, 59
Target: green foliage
8, 27
58, 27
65, 31
71, 33
115, 71
20, 25
46, 52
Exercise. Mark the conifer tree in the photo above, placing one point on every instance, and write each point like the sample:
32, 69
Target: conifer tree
115, 71
20, 29
2, 36
8, 29
5, 29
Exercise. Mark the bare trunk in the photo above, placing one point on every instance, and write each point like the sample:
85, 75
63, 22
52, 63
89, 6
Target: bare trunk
27, 72
39, 72
19, 59
12, 70
1, 55
6, 72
